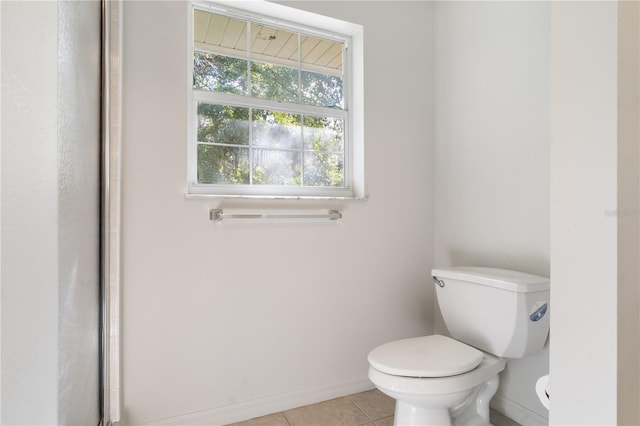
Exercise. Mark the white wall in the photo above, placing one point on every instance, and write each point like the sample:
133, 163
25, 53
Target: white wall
236, 320
577, 63
50, 210
509, 77
29, 214
226, 324
595, 214
584, 250
492, 156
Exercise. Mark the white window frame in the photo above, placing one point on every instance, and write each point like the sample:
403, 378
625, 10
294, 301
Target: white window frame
308, 23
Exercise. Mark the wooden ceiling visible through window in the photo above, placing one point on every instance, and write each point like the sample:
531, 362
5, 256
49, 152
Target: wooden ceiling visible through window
228, 36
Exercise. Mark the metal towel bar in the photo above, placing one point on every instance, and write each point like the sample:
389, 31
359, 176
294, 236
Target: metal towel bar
218, 215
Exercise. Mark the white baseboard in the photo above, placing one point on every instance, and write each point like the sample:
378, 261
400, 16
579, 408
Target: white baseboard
271, 404
517, 412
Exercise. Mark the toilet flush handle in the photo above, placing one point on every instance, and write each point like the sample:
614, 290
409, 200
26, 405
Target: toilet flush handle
438, 281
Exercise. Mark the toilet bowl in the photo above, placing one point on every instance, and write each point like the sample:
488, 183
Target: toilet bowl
492, 315
436, 380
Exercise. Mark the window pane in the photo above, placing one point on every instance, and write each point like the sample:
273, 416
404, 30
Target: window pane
220, 57
322, 89
274, 129
321, 53
274, 55
322, 169
219, 73
223, 124
322, 73
323, 134
274, 45
223, 164
274, 167
275, 82
222, 34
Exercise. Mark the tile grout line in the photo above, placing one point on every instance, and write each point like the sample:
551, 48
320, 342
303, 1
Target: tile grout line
361, 410
286, 419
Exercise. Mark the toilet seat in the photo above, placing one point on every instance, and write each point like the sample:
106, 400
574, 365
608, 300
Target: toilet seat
489, 367
428, 356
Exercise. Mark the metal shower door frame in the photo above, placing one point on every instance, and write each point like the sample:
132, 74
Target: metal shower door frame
111, 118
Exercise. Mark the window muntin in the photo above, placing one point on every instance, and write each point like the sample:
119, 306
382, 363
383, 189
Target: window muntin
271, 108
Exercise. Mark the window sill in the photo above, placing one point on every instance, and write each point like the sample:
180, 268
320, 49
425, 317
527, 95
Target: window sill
274, 197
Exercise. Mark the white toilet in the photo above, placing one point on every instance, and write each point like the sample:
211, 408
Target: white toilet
492, 315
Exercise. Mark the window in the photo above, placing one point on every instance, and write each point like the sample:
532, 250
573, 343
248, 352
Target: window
276, 104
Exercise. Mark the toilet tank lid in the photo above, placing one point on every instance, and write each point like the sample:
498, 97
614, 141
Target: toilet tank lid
494, 277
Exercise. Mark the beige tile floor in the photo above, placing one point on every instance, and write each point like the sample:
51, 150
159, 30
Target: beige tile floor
365, 408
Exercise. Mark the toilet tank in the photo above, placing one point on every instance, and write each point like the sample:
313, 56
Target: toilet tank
503, 312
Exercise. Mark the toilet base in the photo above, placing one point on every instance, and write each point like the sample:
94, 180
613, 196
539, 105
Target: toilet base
408, 414
474, 410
